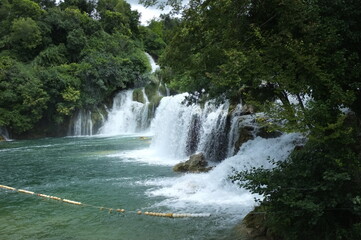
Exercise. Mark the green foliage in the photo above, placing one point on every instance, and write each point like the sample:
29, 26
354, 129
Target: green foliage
296, 49
25, 9
315, 193
138, 95
52, 56
25, 36
72, 56
157, 34
153, 43
22, 98
291, 51
85, 6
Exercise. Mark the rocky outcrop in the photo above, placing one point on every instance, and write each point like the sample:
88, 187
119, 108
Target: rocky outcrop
196, 163
138, 95
253, 227
266, 132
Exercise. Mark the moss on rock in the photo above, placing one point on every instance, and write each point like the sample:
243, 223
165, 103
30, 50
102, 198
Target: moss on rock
138, 95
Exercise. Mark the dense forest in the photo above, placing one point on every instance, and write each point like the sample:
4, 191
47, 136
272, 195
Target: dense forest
58, 58
297, 61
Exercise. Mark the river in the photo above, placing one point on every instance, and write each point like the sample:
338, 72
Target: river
95, 171
121, 170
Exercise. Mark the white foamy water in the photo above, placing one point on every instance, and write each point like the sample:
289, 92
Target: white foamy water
126, 116
171, 126
180, 130
153, 64
145, 156
213, 190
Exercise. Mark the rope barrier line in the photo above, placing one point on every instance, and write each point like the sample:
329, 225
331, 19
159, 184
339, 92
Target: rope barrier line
155, 214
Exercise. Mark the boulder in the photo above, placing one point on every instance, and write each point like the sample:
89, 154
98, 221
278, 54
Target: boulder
248, 109
2, 139
265, 132
196, 163
245, 134
138, 95
253, 227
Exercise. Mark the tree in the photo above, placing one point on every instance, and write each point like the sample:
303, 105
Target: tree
25, 37
22, 98
85, 6
25, 9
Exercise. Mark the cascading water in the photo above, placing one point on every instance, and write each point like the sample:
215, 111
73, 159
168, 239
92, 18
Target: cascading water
126, 116
82, 124
181, 129
153, 64
214, 190
4, 133
172, 126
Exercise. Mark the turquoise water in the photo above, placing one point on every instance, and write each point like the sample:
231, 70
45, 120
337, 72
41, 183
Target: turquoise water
84, 169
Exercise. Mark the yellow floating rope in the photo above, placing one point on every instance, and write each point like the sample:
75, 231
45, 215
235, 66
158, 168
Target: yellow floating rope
155, 214
25, 191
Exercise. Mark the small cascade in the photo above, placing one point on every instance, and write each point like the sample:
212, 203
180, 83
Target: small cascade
82, 124
181, 130
214, 189
126, 116
4, 133
172, 125
213, 132
144, 123
153, 64
167, 89
163, 90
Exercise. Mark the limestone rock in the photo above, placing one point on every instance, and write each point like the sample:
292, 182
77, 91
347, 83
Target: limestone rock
245, 134
265, 132
253, 227
196, 163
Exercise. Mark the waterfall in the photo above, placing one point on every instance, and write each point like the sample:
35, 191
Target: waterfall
153, 64
172, 125
180, 130
4, 133
214, 190
126, 116
81, 124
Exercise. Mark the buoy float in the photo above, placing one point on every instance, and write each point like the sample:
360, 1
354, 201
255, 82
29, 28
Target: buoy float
25, 191
169, 215
43, 195
55, 198
71, 202
7, 187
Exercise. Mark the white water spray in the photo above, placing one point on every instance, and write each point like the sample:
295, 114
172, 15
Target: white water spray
126, 116
153, 64
4, 133
82, 124
180, 130
214, 190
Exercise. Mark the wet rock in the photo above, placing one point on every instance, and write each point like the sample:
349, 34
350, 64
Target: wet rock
247, 109
265, 132
245, 134
2, 139
138, 95
253, 227
196, 163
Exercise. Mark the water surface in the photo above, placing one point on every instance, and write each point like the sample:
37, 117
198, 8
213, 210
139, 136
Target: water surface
100, 171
